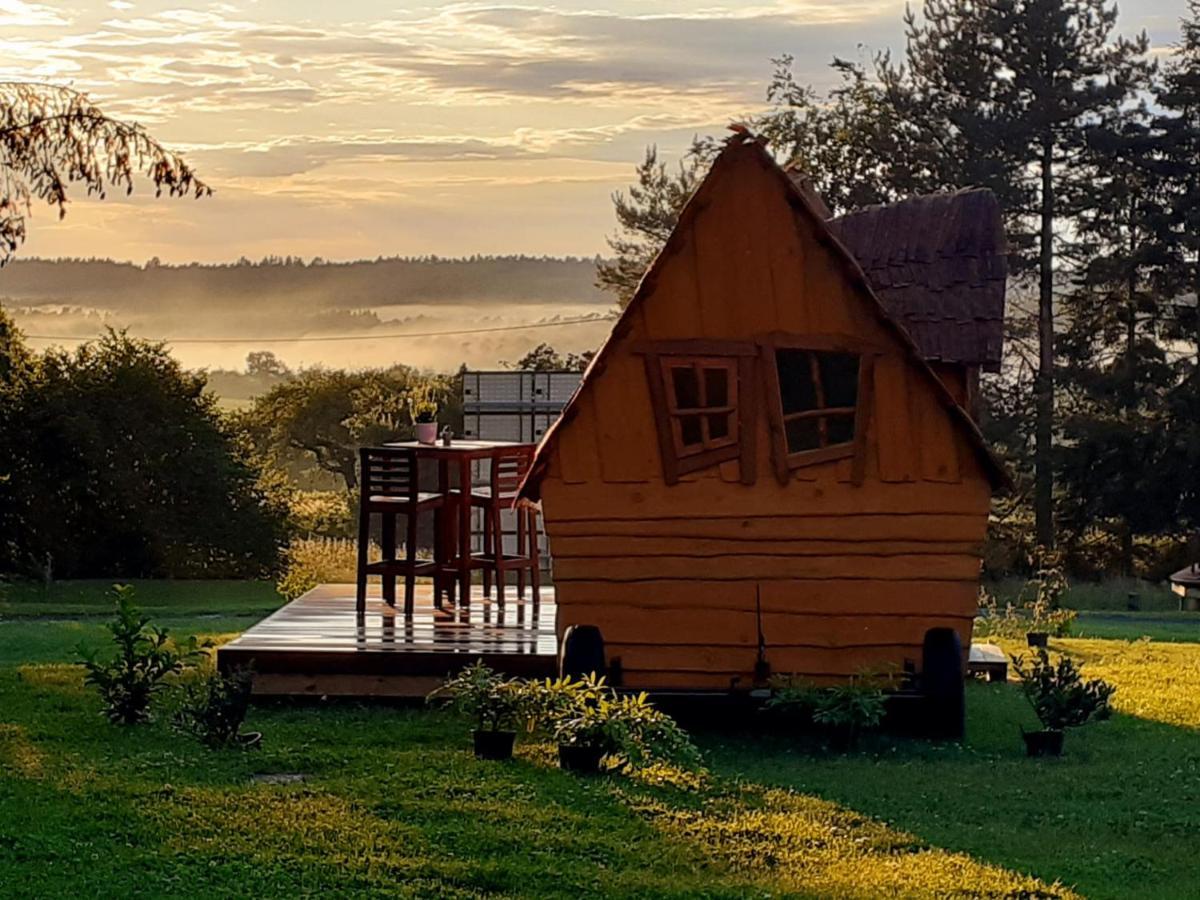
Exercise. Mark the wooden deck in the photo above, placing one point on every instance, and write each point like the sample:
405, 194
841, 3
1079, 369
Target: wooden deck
317, 646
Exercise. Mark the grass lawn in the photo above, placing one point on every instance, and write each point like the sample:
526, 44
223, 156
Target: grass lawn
393, 803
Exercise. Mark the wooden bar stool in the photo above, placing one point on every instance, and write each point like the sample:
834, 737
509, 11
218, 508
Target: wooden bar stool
508, 470
389, 487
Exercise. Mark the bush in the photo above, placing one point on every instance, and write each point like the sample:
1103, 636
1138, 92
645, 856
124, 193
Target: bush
213, 709
495, 703
628, 728
126, 468
312, 561
1058, 694
321, 514
145, 658
843, 710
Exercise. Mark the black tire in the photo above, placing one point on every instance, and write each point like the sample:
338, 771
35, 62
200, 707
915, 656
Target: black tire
943, 684
582, 652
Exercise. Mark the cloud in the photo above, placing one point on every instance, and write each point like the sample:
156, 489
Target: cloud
17, 13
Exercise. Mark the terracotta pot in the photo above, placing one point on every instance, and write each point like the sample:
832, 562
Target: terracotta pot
580, 758
1043, 743
494, 744
427, 432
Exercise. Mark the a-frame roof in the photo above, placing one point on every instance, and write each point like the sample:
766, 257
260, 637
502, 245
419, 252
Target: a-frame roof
739, 144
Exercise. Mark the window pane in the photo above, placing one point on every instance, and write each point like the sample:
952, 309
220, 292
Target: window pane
796, 389
689, 429
802, 434
839, 378
839, 429
716, 387
718, 427
687, 389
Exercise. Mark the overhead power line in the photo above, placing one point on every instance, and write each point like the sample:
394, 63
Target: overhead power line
313, 339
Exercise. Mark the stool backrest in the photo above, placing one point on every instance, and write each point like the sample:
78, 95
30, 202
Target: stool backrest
388, 472
509, 468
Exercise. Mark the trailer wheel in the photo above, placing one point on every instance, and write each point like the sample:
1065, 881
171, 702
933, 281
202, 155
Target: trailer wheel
942, 683
582, 652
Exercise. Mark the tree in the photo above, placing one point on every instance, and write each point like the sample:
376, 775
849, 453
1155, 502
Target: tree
1178, 128
121, 466
646, 216
52, 137
1002, 92
852, 143
544, 358
265, 364
324, 416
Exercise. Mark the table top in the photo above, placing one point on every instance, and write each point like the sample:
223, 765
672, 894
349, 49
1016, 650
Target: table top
458, 448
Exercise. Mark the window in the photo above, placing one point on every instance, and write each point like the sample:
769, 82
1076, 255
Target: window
821, 390
817, 393
701, 403
703, 395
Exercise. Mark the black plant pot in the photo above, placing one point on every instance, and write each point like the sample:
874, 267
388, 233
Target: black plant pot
581, 758
1037, 638
1043, 743
494, 744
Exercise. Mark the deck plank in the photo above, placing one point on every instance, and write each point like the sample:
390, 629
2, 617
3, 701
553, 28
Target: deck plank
317, 645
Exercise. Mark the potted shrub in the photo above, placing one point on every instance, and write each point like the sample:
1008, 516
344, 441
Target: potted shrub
1060, 699
843, 711
1040, 596
591, 721
497, 704
423, 408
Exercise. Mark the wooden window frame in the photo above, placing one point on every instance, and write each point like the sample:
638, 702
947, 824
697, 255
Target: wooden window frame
737, 357
785, 462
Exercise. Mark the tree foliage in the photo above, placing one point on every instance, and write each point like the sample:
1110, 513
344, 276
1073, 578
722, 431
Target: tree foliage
52, 137
322, 416
119, 464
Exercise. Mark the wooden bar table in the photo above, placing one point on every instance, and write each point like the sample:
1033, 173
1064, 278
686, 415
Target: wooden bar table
457, 457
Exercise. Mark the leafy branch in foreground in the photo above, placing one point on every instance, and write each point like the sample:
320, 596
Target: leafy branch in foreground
52, 137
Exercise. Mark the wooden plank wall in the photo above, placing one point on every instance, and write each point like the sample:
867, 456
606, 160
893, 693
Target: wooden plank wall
837, 576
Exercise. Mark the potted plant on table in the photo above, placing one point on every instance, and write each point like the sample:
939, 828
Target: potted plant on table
497, 704
1060, 699
423, 408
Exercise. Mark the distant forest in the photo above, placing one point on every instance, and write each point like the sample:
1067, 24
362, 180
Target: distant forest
128, 287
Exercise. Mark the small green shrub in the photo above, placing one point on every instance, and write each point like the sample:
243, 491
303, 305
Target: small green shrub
1038, 603
843, 710
146, 657
495, 703
309, 562
1058, 694
213, 709
321, 514
628, 728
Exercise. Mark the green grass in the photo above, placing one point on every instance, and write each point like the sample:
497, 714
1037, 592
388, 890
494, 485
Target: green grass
1110, 594
393, 803
1129, 626
77, 599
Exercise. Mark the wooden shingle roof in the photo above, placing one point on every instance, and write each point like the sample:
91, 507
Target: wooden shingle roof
938, 264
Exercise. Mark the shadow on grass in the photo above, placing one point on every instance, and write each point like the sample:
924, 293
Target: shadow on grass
1104, 818
393, 802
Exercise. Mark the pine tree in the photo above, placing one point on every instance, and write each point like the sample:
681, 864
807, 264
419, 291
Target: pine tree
646, 217
1178, 127
1005, 89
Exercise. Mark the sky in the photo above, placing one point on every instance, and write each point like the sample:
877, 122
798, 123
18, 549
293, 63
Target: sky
352, 129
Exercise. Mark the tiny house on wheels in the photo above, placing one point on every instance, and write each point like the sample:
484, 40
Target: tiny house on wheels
771, 466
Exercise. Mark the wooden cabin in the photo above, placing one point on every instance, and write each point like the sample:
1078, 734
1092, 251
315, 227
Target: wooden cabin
761, 471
